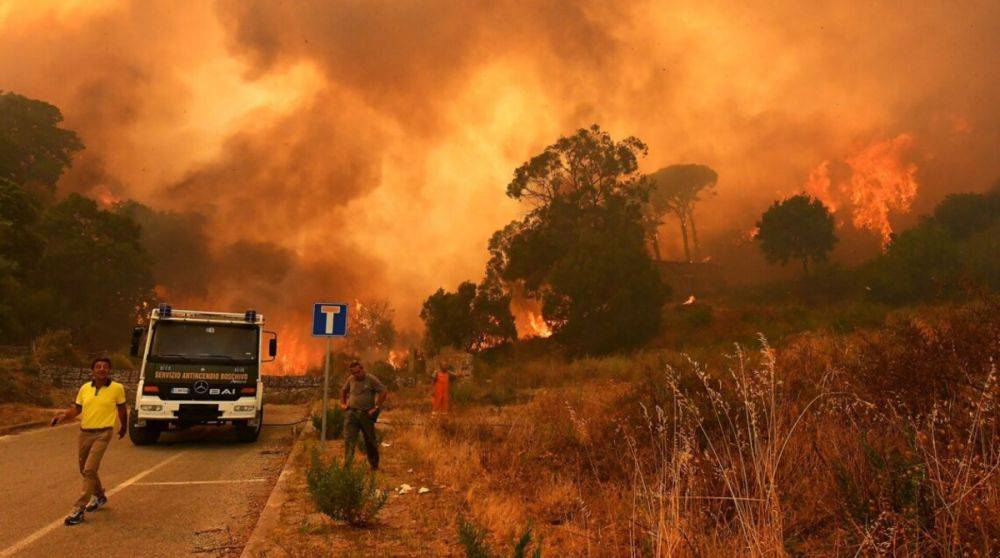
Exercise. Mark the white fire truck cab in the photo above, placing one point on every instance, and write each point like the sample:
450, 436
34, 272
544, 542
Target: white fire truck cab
199, 368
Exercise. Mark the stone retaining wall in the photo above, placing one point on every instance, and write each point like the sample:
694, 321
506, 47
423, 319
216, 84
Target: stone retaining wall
70, 377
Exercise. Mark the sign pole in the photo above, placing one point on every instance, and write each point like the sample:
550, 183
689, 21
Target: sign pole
326, 389
329, 320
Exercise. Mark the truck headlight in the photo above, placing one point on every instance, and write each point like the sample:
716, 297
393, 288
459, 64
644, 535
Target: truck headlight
152, 408
244, 408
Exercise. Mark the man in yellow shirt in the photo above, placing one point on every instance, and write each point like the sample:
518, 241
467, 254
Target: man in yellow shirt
97, 403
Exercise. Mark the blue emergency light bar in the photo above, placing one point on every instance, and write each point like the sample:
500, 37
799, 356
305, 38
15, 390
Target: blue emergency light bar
164, 310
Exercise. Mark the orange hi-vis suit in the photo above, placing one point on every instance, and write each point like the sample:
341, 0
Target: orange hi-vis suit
439, 397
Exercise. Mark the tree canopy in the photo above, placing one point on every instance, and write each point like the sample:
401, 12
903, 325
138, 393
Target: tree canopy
799, 228
950, 253
584, 169
470, 319
19, 239
94, 269
676, 189
581, 249
372, 329
33, 148
66, 265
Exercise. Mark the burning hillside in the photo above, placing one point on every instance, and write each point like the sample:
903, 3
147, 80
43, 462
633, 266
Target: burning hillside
869, 184
344, 149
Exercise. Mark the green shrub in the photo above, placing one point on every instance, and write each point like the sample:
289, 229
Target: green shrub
889, 480
18, 387
695, 316
386, 374
334, 422
56, 347
473, 539
344, 493
496, 391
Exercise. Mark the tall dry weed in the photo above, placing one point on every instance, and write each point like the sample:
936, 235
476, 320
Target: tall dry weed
719, 451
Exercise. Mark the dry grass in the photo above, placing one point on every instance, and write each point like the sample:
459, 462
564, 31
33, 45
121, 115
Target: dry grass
872, 443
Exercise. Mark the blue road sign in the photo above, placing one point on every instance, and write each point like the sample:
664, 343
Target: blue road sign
329, 319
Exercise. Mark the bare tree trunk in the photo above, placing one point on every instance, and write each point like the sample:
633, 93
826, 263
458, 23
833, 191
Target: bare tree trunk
681, 216
656, 245
694, 234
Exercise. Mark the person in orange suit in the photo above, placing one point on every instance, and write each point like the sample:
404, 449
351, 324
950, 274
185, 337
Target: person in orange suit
440, 393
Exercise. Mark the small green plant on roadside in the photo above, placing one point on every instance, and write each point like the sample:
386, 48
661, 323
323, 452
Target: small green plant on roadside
899, 483
344, 493
473, 539
521, 548
334, 422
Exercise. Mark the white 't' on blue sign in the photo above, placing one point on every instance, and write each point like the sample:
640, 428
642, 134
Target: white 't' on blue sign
329, 319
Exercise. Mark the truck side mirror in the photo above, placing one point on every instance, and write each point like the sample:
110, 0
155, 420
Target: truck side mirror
272, 345
136, 336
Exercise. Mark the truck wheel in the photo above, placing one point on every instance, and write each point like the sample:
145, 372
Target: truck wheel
141, 436
249, 434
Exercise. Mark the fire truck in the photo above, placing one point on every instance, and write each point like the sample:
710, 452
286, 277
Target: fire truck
199, 368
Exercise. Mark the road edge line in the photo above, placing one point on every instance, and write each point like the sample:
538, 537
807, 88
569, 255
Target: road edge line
23, 543
269, 515
25, 428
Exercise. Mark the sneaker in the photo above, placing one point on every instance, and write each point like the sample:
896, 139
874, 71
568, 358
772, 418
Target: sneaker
95, 502
74, 518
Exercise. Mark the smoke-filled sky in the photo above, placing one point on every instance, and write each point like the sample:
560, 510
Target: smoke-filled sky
357, 149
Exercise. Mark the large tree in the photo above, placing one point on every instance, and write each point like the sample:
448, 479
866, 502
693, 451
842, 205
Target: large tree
585, 170
950, 253
799, 228
676, 189
581, 248
33, 148
470, 319
19, 238
372, 329
94, 270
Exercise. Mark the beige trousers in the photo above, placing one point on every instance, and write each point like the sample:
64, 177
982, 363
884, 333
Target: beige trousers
93, 444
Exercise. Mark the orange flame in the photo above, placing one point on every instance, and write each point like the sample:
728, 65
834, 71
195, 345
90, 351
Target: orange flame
397, 359
528, 317
295, 355
538, 326
104, 196
880, 182
819, 186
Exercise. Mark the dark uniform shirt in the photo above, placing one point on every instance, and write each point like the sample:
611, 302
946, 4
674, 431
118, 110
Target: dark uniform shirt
361, 393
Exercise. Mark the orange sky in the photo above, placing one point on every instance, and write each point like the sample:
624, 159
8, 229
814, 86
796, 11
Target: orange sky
371, 143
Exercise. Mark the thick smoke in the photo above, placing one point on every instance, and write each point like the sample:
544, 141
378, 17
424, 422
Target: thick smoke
350, 149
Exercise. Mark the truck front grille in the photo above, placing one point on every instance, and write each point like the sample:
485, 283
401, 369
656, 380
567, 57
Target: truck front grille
197, 412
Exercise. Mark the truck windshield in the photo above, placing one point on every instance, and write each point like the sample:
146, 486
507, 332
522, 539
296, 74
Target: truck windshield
209, 343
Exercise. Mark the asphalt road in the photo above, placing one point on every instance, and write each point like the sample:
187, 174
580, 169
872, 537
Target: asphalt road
195, 490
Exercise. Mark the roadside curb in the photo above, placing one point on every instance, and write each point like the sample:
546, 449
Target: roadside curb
5, 430
258, 545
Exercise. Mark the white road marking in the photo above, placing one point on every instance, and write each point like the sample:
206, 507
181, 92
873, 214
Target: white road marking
181, 483
21, 544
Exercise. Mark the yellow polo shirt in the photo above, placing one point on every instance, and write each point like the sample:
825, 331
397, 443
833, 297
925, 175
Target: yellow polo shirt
98, 404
